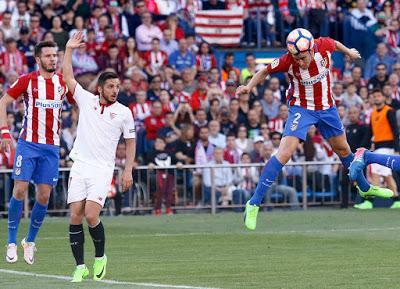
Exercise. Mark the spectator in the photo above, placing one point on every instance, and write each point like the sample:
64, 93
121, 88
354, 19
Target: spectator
356, 73
155, 88
178, 94
227, 126
247, 179
168, 44
138, 79
259, 110
275, 85
80, 7
380, 56
228, 66
205, 59
270, 105
213, 109
204, 150
396, 69
9, 30
20, 16
27, 46
69, 21
200, 121
394, 84
153, 123
13, 59
132, 59
350, 98
256, 154
213, 5
278, 123
155, 58
189, 84
60, 35
231, 152
146, 32
47, 17
267, 18
79, 25
167, 105
182, 58
234, 114
184, 115
199, 96
250, 69
160, 157
36, 31
242, 141
380, 77
112, 60
141, 109
171, 23
185, 146
215, 137
223, 179
125, 95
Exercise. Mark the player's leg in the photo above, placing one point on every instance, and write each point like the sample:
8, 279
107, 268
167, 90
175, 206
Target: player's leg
296, 129
77, 239
332, 129
96, 230
37, 216
24, 165
76, 199
14, 217
97, 193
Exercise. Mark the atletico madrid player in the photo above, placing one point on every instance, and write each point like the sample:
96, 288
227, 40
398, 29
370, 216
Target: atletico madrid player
38, 147
311, 102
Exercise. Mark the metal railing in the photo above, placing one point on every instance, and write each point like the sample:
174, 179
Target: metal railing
304, 184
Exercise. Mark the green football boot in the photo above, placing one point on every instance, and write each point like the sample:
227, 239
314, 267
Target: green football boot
250, 216
99, 268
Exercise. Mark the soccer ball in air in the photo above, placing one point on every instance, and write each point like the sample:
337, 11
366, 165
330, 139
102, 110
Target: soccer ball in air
299, 40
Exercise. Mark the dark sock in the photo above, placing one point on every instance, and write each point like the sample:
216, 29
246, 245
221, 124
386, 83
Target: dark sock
99, 239
77, 239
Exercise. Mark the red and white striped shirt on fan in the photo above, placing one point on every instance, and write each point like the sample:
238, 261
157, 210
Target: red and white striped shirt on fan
43, 99
309, 88
276, 124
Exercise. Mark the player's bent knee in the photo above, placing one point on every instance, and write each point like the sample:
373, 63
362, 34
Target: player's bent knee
92, 219
76, 218
20, 189
43, 199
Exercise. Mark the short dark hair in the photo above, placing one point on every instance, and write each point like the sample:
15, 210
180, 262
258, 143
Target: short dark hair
43, 44
249, 54
155, 39
376, 89
228, 54
106, 76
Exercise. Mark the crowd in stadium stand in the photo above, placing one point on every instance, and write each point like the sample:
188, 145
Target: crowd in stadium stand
185, 106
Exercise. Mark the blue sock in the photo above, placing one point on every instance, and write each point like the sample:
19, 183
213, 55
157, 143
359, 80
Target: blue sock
14, 216
361, 180
268, 176
37, 217
390, 161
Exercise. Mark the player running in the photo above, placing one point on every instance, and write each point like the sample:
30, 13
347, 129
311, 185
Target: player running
311, 103
102, 120
37, 152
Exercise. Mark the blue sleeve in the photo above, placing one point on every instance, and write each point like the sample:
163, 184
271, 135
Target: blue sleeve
193, 59
172, 60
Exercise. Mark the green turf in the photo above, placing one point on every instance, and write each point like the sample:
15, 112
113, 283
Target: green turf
312, 249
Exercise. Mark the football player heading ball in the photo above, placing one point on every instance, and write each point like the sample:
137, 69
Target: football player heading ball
311, 102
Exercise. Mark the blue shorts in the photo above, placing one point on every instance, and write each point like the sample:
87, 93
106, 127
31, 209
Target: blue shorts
300, 119
36, 162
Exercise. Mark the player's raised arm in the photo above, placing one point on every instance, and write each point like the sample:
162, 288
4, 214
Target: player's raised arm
255, 80
68, 74
351, 52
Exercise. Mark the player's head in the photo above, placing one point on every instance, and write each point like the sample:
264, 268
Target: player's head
46, 56
379, 97
108, 86
300, 44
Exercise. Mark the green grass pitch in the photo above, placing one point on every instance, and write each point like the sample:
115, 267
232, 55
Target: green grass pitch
300, 249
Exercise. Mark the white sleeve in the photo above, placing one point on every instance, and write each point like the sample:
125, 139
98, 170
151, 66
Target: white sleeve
81, 95
128, 126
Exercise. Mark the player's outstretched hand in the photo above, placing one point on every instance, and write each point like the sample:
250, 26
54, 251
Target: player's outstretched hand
243, 89
76, 40
6, 145
127, 180
354, 54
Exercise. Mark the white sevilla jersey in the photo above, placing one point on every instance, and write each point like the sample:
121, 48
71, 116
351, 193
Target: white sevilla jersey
309, 88
43, 98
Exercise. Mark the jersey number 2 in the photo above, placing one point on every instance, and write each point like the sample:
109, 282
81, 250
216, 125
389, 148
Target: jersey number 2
296, 118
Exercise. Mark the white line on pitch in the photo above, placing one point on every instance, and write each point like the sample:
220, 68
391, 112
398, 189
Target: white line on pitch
344, 230
113, 282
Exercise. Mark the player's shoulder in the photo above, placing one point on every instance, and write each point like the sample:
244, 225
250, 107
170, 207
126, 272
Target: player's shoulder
324, 44
122, 108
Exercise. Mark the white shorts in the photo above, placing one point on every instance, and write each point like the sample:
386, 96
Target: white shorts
379, 169
89, 183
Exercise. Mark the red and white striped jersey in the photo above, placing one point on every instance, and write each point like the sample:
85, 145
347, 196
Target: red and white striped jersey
43, 99
276, 124
309, 88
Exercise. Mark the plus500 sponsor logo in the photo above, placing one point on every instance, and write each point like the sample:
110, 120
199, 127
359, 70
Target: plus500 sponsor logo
46, 103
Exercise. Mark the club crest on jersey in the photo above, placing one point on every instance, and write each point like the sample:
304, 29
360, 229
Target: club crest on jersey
323, 62
112, 115
17, 171
61, 90
293, 126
